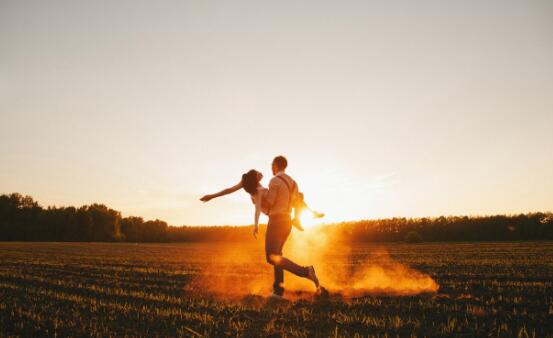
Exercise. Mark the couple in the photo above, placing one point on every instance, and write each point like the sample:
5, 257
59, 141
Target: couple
277, 202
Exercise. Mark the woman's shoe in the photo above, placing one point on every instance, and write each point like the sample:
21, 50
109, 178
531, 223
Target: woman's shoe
318, 214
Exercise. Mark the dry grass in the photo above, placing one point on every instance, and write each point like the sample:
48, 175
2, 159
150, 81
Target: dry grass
74, 289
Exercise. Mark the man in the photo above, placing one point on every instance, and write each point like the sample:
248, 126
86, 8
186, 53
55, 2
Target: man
280, 200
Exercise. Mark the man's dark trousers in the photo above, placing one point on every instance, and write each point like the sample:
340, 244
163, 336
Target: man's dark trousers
278, 230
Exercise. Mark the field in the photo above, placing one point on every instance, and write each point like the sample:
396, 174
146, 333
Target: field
97, 289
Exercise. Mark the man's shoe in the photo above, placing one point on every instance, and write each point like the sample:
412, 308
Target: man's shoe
312, 275
276, 296
322, 293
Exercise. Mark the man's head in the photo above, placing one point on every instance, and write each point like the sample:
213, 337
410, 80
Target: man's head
279, 164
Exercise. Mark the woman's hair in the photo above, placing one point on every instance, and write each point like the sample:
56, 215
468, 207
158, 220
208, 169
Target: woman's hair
250, 182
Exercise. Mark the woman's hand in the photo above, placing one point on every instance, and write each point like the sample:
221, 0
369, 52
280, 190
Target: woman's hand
255, 232
206, 198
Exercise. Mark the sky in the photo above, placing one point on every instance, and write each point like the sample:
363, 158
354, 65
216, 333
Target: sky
383, 108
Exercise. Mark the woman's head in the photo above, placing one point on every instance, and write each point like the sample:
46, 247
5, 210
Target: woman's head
250, 181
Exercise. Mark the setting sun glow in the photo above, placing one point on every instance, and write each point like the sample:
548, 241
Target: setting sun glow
308, 220
390, 109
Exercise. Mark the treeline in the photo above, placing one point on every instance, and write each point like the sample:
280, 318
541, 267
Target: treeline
23, 219
531, 226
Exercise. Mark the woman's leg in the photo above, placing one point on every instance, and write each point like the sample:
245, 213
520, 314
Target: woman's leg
302, 206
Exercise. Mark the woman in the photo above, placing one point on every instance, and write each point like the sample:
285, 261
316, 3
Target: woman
251, 182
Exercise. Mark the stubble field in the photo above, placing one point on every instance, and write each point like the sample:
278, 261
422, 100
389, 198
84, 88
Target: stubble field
100, 289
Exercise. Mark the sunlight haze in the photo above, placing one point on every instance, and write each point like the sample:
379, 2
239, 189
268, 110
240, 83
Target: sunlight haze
383, 108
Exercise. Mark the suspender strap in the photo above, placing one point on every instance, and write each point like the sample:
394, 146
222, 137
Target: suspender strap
290, 190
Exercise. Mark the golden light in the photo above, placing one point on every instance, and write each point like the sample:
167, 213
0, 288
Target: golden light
308, 220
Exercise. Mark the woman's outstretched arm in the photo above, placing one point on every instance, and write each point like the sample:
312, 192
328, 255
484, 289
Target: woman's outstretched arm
222, 192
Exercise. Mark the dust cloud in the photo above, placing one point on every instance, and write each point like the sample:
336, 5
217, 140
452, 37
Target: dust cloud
344, 269
352, 271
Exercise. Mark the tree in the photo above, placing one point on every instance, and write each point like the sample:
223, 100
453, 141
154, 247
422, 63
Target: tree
413, 237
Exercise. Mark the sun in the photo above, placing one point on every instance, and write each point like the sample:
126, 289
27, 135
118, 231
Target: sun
308, 220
